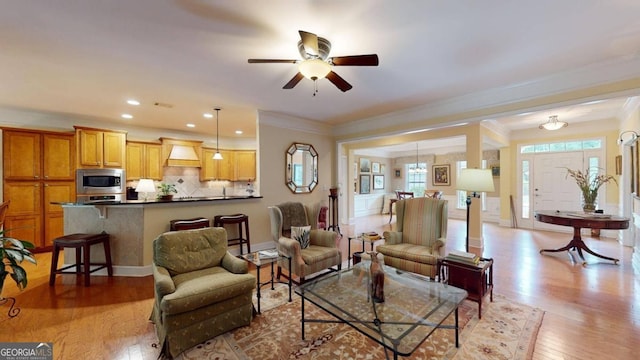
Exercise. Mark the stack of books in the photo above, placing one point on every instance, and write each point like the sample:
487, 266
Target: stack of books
371, 236
463, 257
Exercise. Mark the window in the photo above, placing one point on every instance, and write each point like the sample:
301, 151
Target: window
526, 199
416, 180
562, 146
462, 195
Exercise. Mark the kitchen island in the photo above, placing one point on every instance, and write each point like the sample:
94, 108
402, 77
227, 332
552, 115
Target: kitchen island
134, 224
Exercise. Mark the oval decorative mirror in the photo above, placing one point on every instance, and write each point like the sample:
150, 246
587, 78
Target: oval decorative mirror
301, 172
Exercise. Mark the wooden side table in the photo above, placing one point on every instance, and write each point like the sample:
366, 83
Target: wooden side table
476, 280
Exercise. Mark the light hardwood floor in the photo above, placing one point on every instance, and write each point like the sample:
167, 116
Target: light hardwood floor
592, 312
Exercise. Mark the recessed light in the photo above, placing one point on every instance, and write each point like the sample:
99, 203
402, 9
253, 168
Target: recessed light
207, 115
239, 132
127, 116
191, 125
133, 102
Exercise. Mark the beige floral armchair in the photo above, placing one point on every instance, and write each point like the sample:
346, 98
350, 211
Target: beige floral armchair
323, 252
201, 290
419, 238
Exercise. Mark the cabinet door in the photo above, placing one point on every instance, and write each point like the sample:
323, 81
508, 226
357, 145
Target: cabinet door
24, 216
114, 150
21, 155
25, 197
53, 213
245, 165
209, 169
25, 227
153, 161
226, 166
89, 148
135, 164
58, 156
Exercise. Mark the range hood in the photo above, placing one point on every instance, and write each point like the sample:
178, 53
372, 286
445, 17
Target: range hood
182, 152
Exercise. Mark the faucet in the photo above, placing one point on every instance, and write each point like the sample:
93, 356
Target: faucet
224, 191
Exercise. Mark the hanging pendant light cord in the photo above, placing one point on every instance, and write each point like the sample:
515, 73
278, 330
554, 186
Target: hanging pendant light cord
217, 130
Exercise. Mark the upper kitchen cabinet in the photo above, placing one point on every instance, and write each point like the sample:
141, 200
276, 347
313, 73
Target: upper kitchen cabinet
144, 161
245, 165
99, 148
237, 165
37, 155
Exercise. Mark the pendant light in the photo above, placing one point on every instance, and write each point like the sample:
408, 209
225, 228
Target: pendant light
217, 155
553, 124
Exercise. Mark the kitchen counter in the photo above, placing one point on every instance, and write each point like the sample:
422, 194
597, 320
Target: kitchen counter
134, 224
157, 201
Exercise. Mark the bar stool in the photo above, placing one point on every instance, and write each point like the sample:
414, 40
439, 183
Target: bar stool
188, 224
82, 243
240, 219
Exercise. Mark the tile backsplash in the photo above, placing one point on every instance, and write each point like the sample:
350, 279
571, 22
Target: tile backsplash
188, 184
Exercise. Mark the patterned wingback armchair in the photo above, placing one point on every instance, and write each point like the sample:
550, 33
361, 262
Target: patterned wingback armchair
420, 236
201, 290
322, 253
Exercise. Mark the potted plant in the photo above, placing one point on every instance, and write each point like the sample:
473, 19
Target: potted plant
589, 185
12, 253
166, 191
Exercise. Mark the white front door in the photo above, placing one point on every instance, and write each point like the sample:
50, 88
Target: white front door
552, 188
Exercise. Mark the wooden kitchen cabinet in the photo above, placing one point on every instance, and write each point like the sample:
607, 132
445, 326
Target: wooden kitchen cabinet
38, 168
99, 148
245, 168
144, 161
236, 165
33, 155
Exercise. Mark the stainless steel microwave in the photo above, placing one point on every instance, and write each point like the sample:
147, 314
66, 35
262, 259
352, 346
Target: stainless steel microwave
100, 181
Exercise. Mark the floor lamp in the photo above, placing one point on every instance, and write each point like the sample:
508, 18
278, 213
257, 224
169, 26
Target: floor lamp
474, 181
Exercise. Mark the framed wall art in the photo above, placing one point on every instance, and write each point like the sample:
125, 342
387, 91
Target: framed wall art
365, 165
365, 184
375, 167
378, 182
441, 175
398, 173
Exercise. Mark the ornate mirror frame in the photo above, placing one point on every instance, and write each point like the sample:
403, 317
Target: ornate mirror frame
301, 168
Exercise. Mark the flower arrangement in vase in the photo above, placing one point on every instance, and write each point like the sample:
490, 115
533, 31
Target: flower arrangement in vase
589, 183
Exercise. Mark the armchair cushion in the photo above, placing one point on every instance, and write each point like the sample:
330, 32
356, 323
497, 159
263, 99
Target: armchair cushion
189, 250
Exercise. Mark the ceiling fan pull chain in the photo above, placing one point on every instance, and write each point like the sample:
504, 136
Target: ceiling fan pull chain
315, 87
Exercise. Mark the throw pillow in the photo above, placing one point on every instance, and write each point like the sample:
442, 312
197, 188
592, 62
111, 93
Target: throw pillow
301, 235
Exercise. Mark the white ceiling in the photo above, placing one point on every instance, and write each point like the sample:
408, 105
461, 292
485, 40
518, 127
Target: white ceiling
86, 58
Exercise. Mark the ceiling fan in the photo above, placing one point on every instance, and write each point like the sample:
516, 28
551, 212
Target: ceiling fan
316, 63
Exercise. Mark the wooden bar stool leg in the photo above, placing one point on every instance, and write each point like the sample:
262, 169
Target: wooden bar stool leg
87, 264
107, 256
248, 240
78, 259
54, 265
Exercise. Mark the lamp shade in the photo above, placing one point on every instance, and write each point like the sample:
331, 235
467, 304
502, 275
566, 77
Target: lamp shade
146, 186
475, 180
314, 69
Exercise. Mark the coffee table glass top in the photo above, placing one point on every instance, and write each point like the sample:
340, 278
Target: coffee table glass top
413, 308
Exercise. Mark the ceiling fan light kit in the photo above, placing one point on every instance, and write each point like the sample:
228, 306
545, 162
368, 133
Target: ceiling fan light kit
314, 69
316, 63
553, 124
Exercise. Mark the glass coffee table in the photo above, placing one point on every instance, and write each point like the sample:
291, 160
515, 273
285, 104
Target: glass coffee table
413, 308
266, 257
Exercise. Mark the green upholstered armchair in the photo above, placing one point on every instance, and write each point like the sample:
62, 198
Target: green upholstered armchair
420, 236
322, 253
201, 290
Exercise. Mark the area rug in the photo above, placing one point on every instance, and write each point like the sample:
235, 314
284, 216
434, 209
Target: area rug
507, 330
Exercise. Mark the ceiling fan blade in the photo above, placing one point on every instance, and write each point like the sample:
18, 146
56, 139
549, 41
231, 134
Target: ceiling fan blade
263, 61
310, 42
339, 82
294, 81
355, 60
